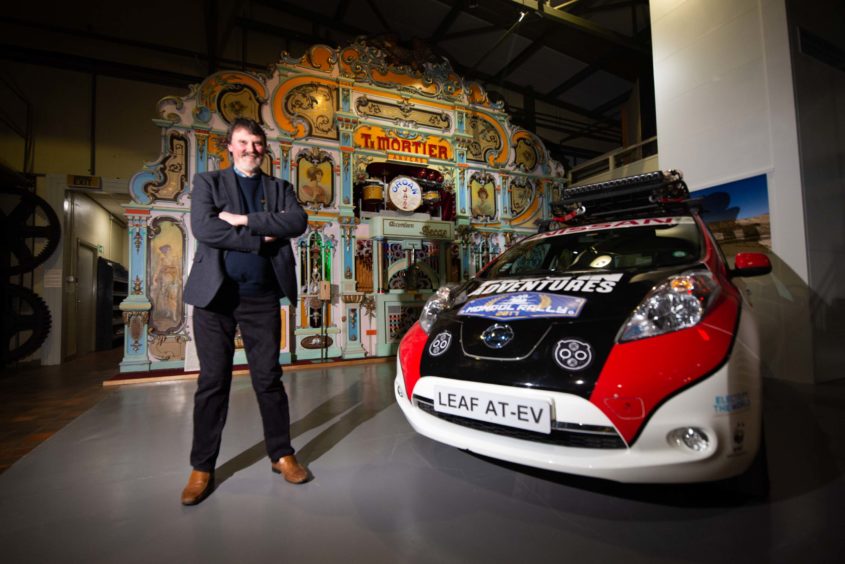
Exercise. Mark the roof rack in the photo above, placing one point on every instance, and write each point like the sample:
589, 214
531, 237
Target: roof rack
652, 191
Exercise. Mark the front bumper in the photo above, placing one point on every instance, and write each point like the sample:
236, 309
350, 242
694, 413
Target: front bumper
732, 427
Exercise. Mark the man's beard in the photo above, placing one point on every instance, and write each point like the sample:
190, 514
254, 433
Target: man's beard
250, 162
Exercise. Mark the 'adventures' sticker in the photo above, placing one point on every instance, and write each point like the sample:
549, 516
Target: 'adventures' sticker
586, 283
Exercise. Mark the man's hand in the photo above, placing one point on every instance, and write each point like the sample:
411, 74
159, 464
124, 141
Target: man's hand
233, 219
269, 238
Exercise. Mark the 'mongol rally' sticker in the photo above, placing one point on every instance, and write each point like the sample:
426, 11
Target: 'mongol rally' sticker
587, 283
527, 304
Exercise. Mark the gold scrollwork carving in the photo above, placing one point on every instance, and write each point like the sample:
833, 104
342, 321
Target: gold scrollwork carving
138, 239
315, 104
171, 174
239, 101
361, 162
525, 154
485, 139
135, 321
522, 194
404, 114
167, 347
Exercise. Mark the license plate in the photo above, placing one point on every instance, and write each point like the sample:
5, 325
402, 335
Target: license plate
522, 413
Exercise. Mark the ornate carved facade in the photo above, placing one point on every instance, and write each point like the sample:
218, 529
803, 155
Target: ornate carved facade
347, 127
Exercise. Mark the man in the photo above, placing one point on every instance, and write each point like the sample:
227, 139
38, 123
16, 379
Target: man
243, 221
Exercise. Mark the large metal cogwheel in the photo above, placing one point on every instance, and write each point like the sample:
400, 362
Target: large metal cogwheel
28, 245
27, 322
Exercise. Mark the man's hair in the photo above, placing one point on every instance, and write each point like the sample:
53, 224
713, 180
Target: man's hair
250, 125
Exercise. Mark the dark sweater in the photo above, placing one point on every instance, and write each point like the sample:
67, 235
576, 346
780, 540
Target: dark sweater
253, 273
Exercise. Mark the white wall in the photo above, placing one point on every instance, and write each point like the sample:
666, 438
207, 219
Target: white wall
83, 220
725, 103
725, 111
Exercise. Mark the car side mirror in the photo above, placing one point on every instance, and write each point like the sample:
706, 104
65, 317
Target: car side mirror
751, 264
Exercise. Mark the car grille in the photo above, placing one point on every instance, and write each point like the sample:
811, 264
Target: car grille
563, 434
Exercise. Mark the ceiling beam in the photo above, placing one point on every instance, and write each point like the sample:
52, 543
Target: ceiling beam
115, 40
340, 12
577, 152
211, 19
229, 27
575, 22
277, 31
447, 22
471, 32
578, 9
588, 130
517, 61
591, 129
312, 16
466, 72
486, 79
384, 23
100, 67
575, 134
573, 80
501, 40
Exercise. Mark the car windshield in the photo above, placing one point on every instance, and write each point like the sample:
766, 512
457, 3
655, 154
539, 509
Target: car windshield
620, 245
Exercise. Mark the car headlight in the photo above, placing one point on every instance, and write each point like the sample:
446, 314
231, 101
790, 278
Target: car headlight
676, 303
432, 308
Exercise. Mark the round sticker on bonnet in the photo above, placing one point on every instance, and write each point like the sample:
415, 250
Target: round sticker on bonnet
573, 354
440, 343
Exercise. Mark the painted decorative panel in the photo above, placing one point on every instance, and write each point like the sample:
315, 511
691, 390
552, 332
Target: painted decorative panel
166, 259
482, 196
314, 178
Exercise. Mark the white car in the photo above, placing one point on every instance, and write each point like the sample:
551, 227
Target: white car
616, 346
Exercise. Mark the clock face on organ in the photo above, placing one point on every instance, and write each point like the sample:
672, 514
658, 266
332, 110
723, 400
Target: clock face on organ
405, 193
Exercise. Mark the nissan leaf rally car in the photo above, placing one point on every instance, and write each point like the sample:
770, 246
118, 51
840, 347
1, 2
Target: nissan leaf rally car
616, 346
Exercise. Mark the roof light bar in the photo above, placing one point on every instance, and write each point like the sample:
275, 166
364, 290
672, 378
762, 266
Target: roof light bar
647, 191
658, 184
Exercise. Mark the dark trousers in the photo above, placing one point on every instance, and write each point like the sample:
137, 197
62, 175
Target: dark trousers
214, 331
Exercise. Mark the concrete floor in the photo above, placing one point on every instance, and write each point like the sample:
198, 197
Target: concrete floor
105, 488
37, 401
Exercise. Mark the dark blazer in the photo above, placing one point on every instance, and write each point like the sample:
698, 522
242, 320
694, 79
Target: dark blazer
284, 218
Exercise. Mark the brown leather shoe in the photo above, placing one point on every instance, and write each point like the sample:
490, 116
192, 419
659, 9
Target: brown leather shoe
200, 485
293, 471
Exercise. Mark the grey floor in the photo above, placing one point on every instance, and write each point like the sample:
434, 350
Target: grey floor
106, 489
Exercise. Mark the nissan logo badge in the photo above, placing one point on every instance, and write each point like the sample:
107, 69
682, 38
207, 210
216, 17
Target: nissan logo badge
497, 336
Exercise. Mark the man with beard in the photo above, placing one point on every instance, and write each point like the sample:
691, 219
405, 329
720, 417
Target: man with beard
243, 221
